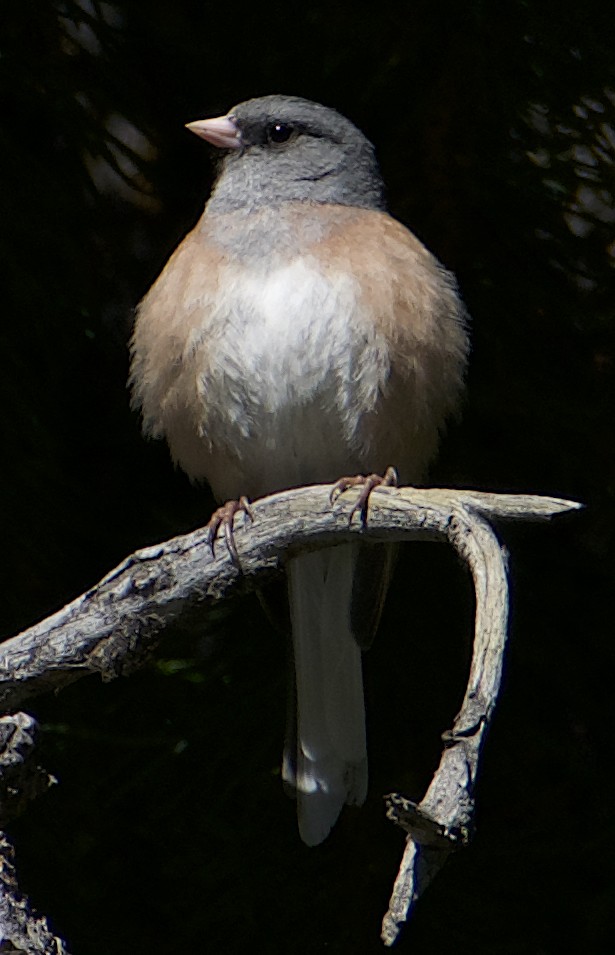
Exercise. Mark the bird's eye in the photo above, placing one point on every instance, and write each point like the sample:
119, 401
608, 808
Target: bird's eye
280, 132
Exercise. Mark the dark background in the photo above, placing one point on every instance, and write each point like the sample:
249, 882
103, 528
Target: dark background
169, 831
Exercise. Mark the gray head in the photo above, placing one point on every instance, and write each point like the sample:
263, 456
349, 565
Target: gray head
283, 148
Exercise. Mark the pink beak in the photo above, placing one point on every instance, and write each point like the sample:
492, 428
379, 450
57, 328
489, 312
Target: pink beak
222, 131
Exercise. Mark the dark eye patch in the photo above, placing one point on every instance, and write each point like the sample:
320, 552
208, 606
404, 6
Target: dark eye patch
280, 132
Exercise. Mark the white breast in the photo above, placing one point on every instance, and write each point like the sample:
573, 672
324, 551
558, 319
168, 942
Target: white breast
294, 362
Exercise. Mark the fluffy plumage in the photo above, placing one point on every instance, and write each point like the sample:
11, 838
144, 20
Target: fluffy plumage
300, 333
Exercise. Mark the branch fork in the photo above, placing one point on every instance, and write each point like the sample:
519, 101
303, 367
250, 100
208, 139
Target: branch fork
115, 627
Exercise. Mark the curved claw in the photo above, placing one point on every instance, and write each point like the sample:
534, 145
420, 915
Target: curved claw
368, 482
224, 517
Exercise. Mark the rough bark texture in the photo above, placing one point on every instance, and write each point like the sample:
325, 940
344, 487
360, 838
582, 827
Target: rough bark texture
21, 928
114, 628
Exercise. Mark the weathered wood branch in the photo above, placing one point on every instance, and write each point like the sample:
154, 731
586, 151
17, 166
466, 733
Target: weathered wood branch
113, 628
21, 779
443, 819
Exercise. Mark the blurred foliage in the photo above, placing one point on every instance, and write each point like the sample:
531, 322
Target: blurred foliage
495, 125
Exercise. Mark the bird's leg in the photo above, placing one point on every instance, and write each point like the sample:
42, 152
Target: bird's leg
223, 518
367, 482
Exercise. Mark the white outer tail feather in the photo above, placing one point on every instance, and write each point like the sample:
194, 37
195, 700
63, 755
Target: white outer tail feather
331, 757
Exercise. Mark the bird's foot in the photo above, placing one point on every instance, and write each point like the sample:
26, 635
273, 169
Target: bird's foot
224, 518
367, 483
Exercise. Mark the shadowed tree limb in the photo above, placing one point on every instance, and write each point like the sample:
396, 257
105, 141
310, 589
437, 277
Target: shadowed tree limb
21, 928
114, 628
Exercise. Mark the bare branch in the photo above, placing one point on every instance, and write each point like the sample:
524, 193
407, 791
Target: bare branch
20, 778
113, 628
21, 928
443, 819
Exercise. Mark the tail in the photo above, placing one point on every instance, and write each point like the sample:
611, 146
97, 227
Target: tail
326, 762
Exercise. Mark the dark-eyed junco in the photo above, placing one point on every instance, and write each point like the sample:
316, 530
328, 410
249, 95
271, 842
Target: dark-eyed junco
297, 334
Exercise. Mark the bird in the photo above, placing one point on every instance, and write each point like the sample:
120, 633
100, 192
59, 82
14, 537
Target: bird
299, 334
